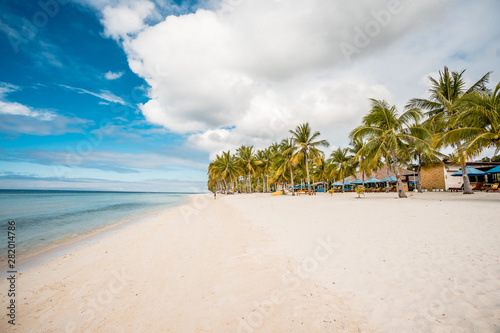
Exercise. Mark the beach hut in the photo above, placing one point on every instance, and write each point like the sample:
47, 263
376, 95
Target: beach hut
372, 180
357, 182
470, 171
494, 170
319, 187
391, 179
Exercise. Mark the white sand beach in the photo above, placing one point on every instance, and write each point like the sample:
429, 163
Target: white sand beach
257, 263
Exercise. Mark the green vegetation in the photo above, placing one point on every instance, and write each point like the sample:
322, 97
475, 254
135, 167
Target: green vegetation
468, 120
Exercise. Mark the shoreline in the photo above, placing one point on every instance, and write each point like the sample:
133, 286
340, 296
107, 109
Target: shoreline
249, 263
42, 254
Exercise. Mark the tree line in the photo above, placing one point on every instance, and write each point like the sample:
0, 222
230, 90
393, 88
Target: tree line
464, 118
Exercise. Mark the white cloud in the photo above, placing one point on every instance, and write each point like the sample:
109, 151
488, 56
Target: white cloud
17, 109
113, 76
17, 118
103, 94
126, 19
248, 71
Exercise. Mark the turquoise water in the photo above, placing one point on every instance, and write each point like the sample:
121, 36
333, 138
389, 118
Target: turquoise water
43, 217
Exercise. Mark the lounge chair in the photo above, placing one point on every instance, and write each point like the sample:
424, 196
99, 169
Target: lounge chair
456, 189
478, 187
492, 187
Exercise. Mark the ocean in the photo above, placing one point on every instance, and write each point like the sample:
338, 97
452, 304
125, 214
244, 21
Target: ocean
44, 217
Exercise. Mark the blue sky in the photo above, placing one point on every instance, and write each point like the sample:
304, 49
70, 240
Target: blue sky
141, 94
76, 122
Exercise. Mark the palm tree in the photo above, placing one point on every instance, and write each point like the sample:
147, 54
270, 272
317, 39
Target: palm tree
225, 167
478, 125
286, 147
265, 157
445, 102
306, 148
389, 134
322, 172
282, 163
249, 162
424, 154
343, 163
360, 160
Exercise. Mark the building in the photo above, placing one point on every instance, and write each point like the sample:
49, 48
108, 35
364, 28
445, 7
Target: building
439, 176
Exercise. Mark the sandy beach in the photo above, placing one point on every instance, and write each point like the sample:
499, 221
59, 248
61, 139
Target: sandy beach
257, 263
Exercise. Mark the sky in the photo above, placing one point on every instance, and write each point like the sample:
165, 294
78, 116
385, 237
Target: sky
140, 95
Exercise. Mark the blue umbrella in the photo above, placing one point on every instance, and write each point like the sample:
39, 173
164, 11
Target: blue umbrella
347, 182
391, 179
357, 182
372, 180
494, 170
471, 172
337, 184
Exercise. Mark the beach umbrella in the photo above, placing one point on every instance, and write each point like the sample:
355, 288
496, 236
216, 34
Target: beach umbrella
357, 182
471, 172
391, 179
494, 170
337, 184
347, 183
372, 180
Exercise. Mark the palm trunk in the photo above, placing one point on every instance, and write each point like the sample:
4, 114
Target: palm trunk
363, 178
419, 185
293, 186
268, 186
249, 182
343, 183
467, 186
401, 190
307, 171
387, 179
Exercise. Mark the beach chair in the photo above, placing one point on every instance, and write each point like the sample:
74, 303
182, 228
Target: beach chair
492, 187
478, 187
456, 189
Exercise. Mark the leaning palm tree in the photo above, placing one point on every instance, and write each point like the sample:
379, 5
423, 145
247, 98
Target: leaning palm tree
478, 125
445, 102
344, 164
249, 162
322, 172
361, 161
265, 157
286, 148
306, 148
388, 133
226, 168
282, 163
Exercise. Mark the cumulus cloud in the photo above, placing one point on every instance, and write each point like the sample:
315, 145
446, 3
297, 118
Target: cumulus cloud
243, 71
126, 19
113, 76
